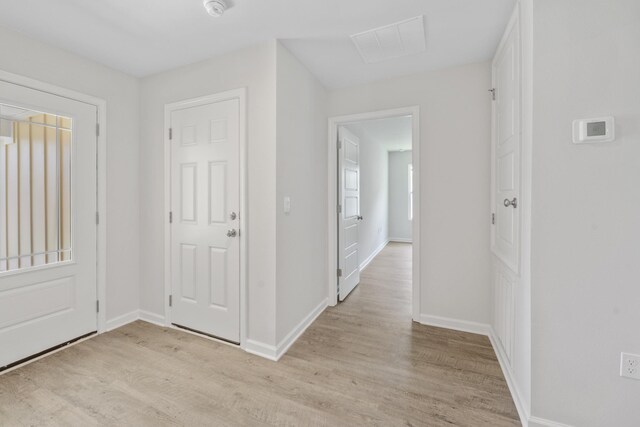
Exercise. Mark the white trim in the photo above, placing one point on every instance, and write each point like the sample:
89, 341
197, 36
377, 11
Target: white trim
400, 240
518, 401
274, 353
284, 345
122, 320
266, 351
455, 324
375, 253
241, 95
150, 317
543, 422
101, 229
332, 155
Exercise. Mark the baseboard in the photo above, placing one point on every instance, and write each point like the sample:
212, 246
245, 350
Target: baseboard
293, 336
523, 411
261, 349
455, 324
379, 249
542, 422
127, 318
122, 320
150, 317
400, 240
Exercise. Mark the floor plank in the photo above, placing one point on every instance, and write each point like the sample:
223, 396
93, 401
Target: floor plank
363, 362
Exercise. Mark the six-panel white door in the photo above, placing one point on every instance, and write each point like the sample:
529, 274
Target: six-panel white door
506, 150
48, 231
349, 215
205, 203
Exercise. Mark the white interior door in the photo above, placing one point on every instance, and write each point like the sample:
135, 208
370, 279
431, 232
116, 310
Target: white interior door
47, 221
506, 151
349, 212
205, 203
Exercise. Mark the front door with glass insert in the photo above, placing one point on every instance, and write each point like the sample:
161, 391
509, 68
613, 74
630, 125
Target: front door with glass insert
47, 221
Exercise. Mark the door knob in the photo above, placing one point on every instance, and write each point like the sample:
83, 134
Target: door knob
513, 203
232, 233
360, 218
233, 216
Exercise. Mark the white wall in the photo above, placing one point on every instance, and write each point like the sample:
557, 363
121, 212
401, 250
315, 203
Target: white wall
455, 156
373, 230
586, 213
301, 165
399, 223
253, 68
30, 58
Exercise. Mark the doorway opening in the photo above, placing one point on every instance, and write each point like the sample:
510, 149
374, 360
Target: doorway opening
374, 200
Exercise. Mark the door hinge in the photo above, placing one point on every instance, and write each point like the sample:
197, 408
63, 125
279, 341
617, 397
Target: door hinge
170, 134
339, 145
97, 306
97, 129
493, 94
170, 217
170, 300
339, 272
339, 208
493, 218
97, 218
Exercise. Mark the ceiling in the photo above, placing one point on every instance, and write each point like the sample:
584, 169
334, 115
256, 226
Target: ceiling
394, 134
143, 37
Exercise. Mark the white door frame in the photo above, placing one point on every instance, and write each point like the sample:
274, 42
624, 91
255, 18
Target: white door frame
334, 123
241, 95
101, 176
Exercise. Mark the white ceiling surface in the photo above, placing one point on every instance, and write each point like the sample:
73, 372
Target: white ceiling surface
394, 134
142, 37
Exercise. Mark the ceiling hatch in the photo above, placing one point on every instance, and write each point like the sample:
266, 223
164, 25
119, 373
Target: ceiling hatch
392, 41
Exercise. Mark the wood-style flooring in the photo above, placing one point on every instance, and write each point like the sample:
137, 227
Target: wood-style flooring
361, 363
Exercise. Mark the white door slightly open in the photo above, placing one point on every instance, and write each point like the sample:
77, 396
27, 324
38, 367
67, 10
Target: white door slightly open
349, 211
505, 237
205, 205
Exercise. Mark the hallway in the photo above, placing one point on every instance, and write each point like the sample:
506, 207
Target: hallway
361, 363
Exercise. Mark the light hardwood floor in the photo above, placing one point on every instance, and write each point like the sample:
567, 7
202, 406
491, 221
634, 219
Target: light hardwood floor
361, 363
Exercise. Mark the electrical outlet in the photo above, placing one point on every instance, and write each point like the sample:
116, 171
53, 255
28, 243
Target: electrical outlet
630, 366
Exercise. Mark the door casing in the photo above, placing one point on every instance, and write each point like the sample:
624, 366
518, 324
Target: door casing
101, 208
241, 95
332, 153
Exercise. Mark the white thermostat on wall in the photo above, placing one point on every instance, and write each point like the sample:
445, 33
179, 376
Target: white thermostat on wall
587, 131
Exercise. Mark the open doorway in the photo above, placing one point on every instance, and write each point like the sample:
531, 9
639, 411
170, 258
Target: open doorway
374, 200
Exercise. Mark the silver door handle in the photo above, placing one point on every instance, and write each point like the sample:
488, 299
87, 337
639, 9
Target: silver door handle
232, 233
513, 203
233, 216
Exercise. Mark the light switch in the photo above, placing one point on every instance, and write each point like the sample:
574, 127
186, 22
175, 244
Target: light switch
287, 205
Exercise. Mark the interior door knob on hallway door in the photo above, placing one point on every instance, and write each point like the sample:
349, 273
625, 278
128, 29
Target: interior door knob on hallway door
513, 203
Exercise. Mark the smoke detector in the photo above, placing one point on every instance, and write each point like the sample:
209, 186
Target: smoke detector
215, 7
